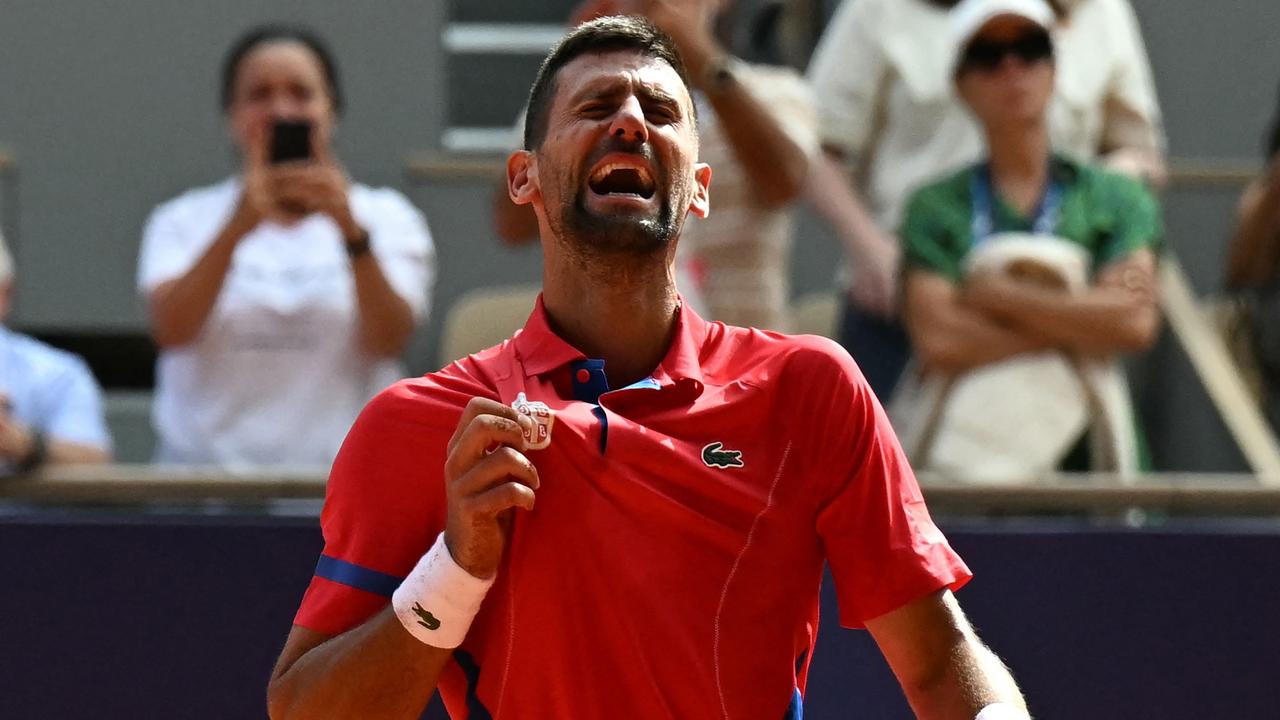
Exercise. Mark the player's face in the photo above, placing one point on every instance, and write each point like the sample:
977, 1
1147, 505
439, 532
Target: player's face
617, 169
1015, 83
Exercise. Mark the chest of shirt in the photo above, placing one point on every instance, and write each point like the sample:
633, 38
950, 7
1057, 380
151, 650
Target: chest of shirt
289, 269
651, 465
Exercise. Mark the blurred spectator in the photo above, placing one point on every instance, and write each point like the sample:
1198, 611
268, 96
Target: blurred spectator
888, 112
280, 297
50, 405
1028, 251
1253, 274
757, 127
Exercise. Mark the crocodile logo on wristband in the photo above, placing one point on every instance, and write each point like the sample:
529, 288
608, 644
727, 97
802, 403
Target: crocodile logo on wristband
425, 618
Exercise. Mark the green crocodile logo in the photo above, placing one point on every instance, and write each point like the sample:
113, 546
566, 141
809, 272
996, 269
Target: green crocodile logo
425, 619
714, 456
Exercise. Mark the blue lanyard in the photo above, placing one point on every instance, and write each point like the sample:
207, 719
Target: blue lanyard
984, 224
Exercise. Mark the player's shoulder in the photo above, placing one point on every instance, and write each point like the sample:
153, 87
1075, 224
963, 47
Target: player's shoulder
436, 399
767, 357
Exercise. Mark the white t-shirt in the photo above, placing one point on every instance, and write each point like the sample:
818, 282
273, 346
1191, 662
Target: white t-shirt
276, 376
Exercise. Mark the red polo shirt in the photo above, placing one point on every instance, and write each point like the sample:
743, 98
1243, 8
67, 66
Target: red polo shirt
671, 565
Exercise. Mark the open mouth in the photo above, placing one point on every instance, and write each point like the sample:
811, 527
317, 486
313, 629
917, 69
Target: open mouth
622, 179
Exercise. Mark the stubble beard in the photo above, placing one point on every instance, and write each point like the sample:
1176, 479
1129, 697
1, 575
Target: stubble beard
592, 234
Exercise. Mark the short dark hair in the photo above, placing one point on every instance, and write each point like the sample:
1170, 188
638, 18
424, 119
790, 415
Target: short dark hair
267, 34
602, 35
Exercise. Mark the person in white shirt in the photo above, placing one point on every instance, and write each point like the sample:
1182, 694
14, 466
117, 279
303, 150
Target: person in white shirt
887, 111
281, 297
50, 404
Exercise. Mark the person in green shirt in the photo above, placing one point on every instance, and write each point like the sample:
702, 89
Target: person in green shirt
960, 320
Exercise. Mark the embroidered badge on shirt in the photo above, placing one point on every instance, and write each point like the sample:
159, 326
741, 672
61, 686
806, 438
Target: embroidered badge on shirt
543, 418
714, 455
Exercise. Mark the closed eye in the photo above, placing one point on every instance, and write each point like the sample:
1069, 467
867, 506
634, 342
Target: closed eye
596, 110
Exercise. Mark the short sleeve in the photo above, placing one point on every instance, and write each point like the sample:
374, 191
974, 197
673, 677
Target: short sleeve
401, 241
74, 407
181, 230
1131, 112
167, 252
846, 72
384, 504
882, 545
929, 238
1135, 218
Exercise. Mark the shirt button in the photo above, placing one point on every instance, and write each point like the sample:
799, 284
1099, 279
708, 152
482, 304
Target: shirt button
584, 376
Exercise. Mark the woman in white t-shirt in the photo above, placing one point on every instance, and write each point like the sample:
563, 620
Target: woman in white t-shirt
281, 297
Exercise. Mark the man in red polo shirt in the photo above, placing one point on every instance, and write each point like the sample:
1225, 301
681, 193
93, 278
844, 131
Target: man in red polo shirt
624, 510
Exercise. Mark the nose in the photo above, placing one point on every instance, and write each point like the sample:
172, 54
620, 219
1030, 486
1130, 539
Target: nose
628, 122
283, 107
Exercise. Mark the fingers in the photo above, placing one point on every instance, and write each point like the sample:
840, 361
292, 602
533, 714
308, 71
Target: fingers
479, 406
320, 149
501, 498
256, 152
502, 465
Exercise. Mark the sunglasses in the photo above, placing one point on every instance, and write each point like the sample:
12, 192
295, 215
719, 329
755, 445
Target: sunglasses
988, 54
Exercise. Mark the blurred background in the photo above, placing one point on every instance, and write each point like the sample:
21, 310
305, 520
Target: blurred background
129, 591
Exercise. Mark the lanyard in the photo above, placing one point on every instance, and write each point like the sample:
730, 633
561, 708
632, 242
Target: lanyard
984, 223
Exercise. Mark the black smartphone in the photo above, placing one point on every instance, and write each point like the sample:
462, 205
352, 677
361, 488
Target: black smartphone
290, 140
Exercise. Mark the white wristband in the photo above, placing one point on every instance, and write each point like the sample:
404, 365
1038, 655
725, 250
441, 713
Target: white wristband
438, 601
1000, 711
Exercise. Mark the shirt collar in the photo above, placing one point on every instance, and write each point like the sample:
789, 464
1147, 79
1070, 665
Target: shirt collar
540, 350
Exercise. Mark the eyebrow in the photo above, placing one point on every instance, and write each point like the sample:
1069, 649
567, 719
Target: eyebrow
615, 88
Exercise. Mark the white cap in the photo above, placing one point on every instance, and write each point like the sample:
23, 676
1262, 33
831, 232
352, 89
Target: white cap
968, 17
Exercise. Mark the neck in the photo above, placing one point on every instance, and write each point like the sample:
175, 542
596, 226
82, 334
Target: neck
618, 309
1019, 158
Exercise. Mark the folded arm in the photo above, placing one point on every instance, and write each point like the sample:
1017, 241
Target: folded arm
1118, 314
952, 337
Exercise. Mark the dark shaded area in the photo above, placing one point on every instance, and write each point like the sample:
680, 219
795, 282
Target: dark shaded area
119, 360
162, 616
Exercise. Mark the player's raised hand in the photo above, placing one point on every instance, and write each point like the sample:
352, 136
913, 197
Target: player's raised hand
487, 477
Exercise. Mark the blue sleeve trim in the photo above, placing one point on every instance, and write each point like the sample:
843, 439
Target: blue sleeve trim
795, 711
360, 578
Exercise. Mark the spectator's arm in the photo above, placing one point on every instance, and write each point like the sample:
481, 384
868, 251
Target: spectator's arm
1118, 314
769, 152
386, 320
871, 253
18, 442
180, 307
1255, 245
951, 337
944, 669
1133, 140
776, 162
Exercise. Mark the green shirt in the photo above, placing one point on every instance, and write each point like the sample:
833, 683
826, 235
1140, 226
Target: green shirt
1110, 215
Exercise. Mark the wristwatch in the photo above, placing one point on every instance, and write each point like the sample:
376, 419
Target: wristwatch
358, 246
721, 74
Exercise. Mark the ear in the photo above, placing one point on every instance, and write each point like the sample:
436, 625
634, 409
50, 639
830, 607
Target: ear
522, 178
701, 204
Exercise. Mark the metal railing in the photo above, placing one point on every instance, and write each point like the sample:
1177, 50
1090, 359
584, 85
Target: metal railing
1204, 494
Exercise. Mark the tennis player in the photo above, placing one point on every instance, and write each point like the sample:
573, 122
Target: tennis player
624, 510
